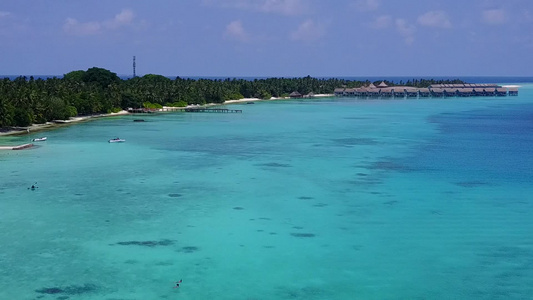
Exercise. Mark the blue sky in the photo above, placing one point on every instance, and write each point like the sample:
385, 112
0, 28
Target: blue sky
269, 37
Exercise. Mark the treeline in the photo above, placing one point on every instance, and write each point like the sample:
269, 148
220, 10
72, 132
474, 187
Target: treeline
26, 101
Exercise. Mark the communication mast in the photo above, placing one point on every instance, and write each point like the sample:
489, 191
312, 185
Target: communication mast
134, 67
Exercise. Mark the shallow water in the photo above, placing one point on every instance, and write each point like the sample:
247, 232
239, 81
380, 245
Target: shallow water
315, 199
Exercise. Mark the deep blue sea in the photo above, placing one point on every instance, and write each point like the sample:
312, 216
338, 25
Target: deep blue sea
333, 198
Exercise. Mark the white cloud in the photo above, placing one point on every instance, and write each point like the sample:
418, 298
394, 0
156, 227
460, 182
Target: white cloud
381, 22
283, 7
406, 31
366, 5
494, 16
437, 19
308, 31
235, 30
74, 27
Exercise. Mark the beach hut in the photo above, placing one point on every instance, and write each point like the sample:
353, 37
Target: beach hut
398, 92
295, 94
310, 95
382, 85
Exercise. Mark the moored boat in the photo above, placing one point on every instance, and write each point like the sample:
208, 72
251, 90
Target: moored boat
117, 140
41, 139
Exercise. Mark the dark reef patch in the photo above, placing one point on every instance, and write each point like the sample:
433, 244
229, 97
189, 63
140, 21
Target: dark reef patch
147, 243
471, 184
175, 195
69, 290
305, 198
388, 166
392, 202
51, 291
238, 208
320, 205
274, 165
303, 235
347, 142
189, 249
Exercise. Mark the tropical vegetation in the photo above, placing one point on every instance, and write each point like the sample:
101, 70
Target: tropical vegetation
26, 101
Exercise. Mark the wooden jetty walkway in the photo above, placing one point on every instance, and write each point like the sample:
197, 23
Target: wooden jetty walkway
212, 110
185, 109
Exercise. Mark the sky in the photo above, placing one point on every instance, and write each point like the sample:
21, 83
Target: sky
268, 38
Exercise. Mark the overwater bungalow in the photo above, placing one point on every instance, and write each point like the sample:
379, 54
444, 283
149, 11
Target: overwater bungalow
439, 92
373, 92
501, 92
385, 92
424, 93
399, 92
435, 90
479, 92
411, 92
490, 91
465, 92
450, 92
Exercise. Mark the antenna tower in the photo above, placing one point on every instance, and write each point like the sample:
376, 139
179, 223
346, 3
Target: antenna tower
134, 67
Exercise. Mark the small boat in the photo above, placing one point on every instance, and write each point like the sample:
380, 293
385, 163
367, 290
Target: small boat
138, 120
250, 102
41, 139
117, 140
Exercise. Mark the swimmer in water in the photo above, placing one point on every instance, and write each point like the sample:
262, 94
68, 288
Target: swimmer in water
178, 283
33, 187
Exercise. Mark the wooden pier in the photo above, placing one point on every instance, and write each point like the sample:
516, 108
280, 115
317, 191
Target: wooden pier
212, 110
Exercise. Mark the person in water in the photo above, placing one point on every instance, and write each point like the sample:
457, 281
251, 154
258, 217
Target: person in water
33, 187
178, 283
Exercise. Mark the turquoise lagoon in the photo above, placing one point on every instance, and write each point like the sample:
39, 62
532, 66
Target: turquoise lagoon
296, 199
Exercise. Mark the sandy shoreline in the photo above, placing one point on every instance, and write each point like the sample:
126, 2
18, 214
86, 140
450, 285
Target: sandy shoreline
55, 124
59, 123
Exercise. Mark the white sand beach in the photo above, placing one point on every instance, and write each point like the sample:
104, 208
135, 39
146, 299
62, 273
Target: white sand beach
57, 123
273, 98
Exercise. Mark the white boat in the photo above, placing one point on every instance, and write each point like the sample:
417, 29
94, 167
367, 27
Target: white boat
42, 139
117, 140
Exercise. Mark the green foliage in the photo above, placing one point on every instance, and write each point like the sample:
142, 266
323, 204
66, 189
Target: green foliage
150, 105
177, 104
76, 76
264, 95
101, 77
114, 110
98, 90
71, 111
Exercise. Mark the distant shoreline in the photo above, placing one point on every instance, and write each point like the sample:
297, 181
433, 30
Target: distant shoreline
74, 120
